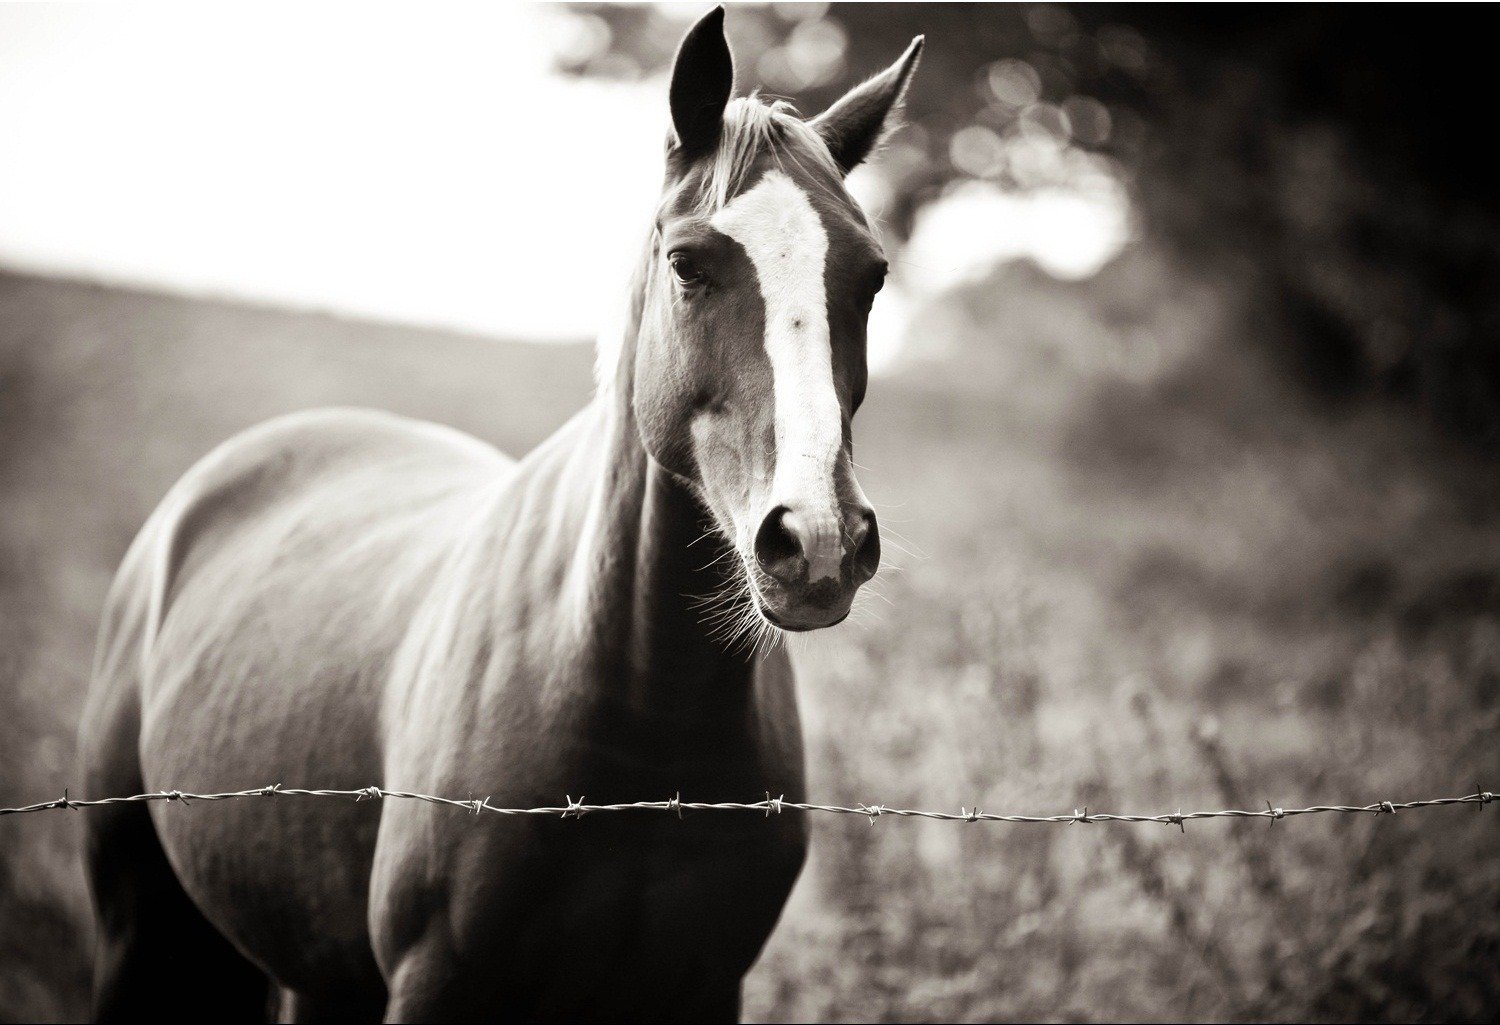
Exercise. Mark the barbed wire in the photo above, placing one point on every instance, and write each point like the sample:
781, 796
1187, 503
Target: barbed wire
771, 805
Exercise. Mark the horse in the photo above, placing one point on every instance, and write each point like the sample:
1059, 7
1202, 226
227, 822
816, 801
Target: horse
345, 598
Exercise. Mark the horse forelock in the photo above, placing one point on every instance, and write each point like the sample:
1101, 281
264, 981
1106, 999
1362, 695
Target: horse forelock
754, 129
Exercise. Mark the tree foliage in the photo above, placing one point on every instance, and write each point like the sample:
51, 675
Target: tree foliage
1329, 155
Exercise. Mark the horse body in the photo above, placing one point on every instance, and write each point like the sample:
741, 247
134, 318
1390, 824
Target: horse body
342, 599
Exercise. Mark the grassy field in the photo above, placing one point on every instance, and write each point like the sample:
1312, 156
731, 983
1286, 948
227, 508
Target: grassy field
1140, 572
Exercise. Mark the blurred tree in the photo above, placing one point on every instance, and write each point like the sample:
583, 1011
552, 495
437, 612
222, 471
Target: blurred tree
1336, 154
1331, 157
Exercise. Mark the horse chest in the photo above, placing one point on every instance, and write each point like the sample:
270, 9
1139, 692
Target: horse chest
675, 883
636, 885
641, 906
654, 907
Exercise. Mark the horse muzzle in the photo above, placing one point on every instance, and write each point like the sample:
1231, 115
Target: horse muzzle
811, 564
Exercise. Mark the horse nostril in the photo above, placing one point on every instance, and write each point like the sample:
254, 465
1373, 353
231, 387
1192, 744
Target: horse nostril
778, 549
864, 546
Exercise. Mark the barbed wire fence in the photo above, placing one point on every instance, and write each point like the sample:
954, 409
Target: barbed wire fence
771, 805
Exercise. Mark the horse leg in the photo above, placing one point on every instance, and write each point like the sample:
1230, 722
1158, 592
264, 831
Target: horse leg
156, 955
423, 988
719, 1002
299, 1007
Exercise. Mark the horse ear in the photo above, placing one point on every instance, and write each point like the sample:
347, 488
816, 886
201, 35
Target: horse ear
702, 80
854, 125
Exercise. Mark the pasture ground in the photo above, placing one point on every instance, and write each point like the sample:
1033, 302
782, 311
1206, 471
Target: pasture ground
1141, 572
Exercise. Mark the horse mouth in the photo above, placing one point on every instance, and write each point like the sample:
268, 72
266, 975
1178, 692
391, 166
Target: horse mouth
782, 623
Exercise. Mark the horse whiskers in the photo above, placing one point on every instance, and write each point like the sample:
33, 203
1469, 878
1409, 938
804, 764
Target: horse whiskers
710, 564
714, 605
729, 613
766, 636
899, 547
701, 536
861, 613
901, 540
748, 629
742, 632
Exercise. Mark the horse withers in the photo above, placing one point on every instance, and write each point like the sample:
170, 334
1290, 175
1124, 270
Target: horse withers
342, 598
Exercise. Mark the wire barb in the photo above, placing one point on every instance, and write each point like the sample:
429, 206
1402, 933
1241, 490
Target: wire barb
771, 805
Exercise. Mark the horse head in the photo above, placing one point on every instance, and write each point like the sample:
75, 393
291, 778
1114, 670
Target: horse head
749, 362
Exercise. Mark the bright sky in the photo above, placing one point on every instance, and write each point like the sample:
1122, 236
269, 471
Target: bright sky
418, 163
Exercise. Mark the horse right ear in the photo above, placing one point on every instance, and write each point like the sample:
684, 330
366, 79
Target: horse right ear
702, 81
854, 125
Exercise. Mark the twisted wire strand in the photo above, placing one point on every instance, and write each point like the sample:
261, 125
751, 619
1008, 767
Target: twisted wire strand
771, 805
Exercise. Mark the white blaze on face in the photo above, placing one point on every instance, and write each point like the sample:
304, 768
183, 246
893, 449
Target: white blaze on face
784, 237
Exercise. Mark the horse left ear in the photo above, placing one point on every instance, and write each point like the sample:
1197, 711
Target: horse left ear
702, 81
854, 125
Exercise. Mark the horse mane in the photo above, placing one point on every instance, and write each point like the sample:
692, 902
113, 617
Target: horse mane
752, 128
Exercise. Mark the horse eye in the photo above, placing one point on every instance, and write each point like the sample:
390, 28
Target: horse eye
685, 269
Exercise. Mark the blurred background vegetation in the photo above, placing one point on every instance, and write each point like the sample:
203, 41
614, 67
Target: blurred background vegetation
1216, 524
1332, 156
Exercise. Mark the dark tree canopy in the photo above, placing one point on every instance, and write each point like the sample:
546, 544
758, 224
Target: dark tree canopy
1328, 154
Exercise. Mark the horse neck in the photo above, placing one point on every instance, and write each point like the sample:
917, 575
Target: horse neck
652, 566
